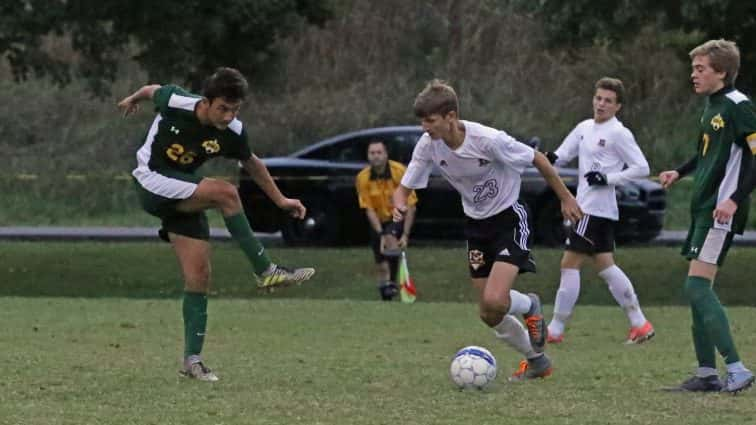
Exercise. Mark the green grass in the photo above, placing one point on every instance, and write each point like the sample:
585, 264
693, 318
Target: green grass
91, 333
150, 270
114, 361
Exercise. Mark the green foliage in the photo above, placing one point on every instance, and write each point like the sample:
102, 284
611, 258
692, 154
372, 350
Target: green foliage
170, 39
585, 22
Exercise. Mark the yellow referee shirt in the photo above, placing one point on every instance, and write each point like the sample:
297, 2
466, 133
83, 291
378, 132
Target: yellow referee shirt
375, 191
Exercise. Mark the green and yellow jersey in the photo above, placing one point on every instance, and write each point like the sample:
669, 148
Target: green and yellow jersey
177, 141
725, 152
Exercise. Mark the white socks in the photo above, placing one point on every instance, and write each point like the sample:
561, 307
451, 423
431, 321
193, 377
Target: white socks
512, 332
566, 297
623, 292
519, 303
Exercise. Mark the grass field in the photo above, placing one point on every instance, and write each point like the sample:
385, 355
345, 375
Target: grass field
92, 335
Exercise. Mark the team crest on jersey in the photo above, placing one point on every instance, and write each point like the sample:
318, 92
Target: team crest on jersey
476, 259
717, 122
602, 143
211, 146
443, 163
483, 162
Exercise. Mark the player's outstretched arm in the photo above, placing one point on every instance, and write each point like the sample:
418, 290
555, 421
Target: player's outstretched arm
570, 209
130, 104
401, 194
259, 173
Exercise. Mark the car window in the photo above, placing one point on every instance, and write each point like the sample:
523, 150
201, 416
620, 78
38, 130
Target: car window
354, 149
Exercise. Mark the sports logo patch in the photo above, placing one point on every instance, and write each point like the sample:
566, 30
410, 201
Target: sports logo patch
717, 122
602, 143
475, 257
211, 146
443, 163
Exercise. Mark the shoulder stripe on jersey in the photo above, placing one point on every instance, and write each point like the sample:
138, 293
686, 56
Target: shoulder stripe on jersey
183, 102
736, 96
751, 139
236, 126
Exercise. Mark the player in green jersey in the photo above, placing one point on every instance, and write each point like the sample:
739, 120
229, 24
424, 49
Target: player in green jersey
723, 180
187, 131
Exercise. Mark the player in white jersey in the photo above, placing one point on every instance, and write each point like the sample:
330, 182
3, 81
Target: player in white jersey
607, 156
484, 165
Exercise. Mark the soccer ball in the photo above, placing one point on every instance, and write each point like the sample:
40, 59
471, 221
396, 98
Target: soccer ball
473, 367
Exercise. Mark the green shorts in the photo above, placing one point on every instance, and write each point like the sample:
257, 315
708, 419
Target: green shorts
192, 225
707, 244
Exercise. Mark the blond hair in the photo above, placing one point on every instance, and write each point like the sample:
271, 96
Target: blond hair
724, 56
438, 97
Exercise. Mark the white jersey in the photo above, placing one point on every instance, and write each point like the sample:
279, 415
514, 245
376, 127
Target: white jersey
485, 169
604, 147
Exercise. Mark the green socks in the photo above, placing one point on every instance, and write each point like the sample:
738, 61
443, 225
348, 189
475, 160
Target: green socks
195, 322
710, 325
239, 228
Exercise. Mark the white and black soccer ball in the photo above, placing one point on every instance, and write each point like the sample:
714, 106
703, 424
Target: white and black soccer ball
473, 367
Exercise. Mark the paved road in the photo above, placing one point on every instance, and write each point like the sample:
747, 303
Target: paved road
674, 237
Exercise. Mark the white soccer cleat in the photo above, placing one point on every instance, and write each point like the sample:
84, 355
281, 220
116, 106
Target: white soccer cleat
199, 371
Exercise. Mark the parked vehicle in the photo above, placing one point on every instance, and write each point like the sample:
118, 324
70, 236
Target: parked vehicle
322, 175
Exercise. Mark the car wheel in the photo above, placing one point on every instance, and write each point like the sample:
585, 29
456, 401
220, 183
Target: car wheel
550, 229
319, 227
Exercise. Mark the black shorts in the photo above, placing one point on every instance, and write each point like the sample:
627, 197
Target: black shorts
389, 228
193, 225
503, 237
591, 235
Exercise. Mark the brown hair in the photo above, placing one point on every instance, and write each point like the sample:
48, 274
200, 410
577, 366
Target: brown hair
438, 97
724, 56
613, 84
227, 83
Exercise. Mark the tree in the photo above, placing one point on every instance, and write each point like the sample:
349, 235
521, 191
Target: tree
184, 39
687, 23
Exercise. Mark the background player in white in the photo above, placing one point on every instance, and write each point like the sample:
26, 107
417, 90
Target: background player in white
607, 156
484, 165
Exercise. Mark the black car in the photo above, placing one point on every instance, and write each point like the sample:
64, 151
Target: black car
323, 175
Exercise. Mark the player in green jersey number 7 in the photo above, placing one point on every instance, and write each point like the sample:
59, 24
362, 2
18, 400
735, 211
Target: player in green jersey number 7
723, 180
188, 130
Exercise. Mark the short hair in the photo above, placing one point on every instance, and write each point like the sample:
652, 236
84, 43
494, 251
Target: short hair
377, 141
227, 83
613, 84
438, 97
724, 56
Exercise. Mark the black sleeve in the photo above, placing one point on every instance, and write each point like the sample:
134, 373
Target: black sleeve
688, 167
746, 179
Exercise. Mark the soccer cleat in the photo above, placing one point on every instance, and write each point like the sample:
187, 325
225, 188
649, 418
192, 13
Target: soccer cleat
281, 277
198, 371
536, 324
640, 334
555, 339
697, 383
736, 382
539, 367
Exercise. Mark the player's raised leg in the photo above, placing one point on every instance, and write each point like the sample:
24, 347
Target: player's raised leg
499, 303
222, 195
